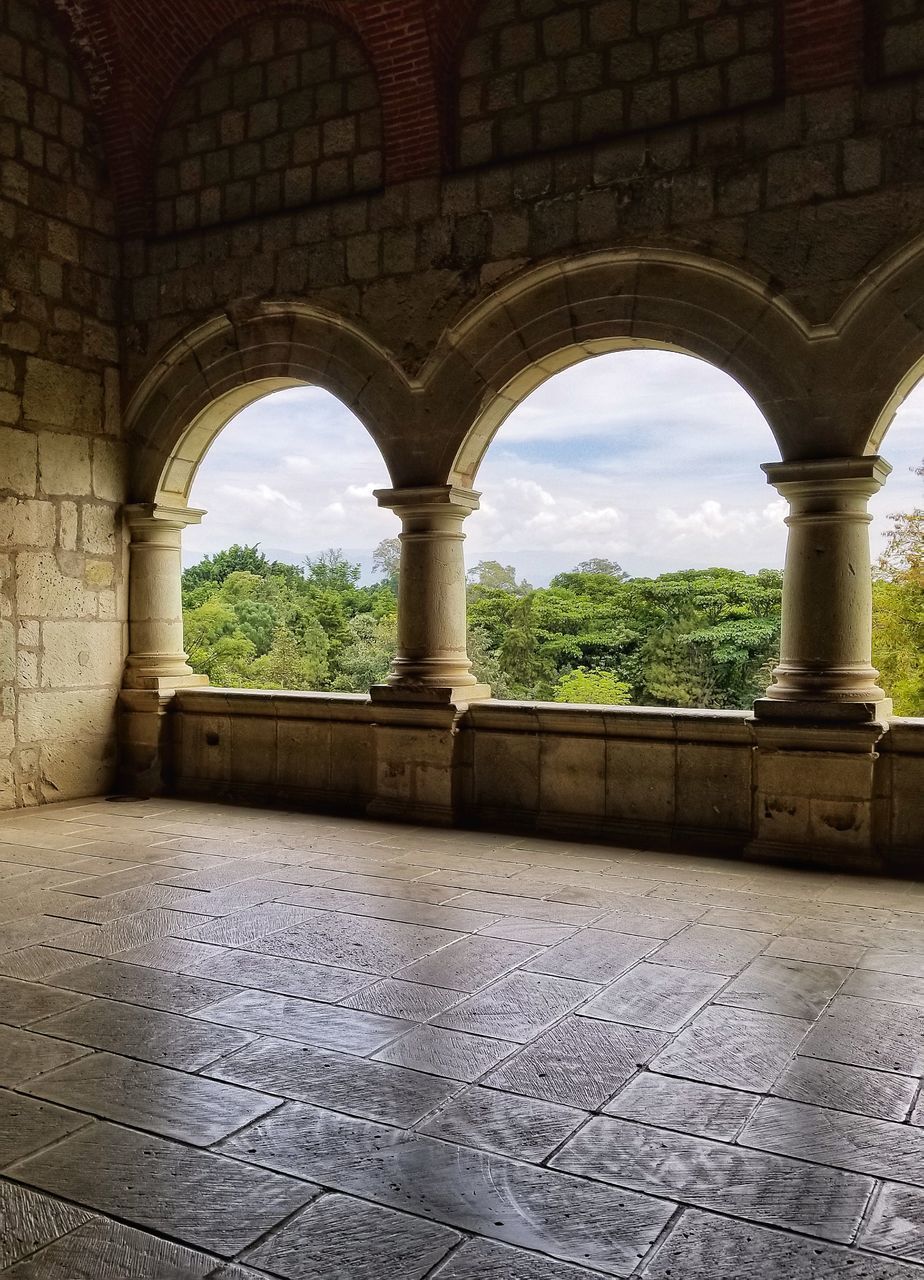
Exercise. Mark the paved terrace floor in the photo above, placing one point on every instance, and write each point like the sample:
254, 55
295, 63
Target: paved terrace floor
241, 1043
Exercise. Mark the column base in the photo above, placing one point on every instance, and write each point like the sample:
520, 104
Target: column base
425, 696
145, 742
163, 684
817, 710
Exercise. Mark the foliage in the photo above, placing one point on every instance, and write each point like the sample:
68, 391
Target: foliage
898, 612
700, 637
580, 685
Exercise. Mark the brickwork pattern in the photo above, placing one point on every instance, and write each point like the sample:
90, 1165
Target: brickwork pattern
283, 112
540, 74
901, 36
61, 557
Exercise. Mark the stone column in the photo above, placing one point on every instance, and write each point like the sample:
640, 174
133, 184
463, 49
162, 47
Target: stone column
156, 658
432, 661
825, 670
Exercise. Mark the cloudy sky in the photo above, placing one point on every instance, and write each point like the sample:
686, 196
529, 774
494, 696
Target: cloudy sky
645, 457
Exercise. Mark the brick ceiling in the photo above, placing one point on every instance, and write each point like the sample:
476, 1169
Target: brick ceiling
135, 53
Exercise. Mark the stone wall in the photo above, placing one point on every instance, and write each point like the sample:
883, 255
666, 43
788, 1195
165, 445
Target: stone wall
283, 112
540, 74
62, 563
899, 39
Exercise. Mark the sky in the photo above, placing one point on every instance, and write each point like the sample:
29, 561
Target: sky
649, 458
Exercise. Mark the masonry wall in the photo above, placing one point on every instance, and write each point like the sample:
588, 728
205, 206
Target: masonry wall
539, 74
282, 112
805, 190
62, 560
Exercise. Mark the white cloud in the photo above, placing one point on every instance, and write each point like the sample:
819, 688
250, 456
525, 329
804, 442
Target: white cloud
648, 457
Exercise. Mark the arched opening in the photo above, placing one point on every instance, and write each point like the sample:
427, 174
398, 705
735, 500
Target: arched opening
898, 558
290, 580
628, 549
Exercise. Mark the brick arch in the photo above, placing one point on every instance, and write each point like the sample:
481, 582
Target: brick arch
211, 373
567, 311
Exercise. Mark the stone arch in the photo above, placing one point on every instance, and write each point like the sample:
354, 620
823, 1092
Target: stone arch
540, 75
281, 110
206, 377
880, 349
566, 311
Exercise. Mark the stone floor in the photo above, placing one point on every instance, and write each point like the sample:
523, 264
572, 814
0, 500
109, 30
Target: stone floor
237, 1043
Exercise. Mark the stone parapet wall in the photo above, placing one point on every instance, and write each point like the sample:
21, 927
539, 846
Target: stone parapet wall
62, 561
837, 796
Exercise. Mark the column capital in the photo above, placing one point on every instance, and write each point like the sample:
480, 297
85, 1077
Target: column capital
158, 515
445, 499
812, 476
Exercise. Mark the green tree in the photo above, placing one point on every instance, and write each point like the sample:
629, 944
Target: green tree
291, 665
600, 565
898, 612
366, 657
387, 560
581, 685
491, 575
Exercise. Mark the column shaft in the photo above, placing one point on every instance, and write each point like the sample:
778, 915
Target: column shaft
156, 656
432, 643
825, 669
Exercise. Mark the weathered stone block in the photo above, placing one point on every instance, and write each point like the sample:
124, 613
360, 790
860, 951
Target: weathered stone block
26, 523
64, 464
18, 449
82, 654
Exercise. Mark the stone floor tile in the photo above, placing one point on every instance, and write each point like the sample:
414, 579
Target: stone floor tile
32, 964
470, 963
391, 882
703, 1246
480, 1259
26, 1125
706, 946
241, 928
132, 984
594, 955
896, 1225
300, 1140
175, 955
337, 1235
833, 1084
38, 902
870, 935
106, 1250
735, 918
191, 1108
870, 1033
398, 999
580, 1063
656, 996
792, 988
712, 1175
738, 1048
528, 1206
289, 1018
881, 960
147, 1034
24, 1055
121, 935
115, 881
509, 1123
528, 908
118, 905
195, 1197
233, 898
704, 1110
896, 988
286, 977
539, 933
24, 1003
454, 1054
837, 953
518, 1007
28, 931
648, 923
31, 1220
229, 872
358, 1086
354, 942
880, 1148
382, 908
